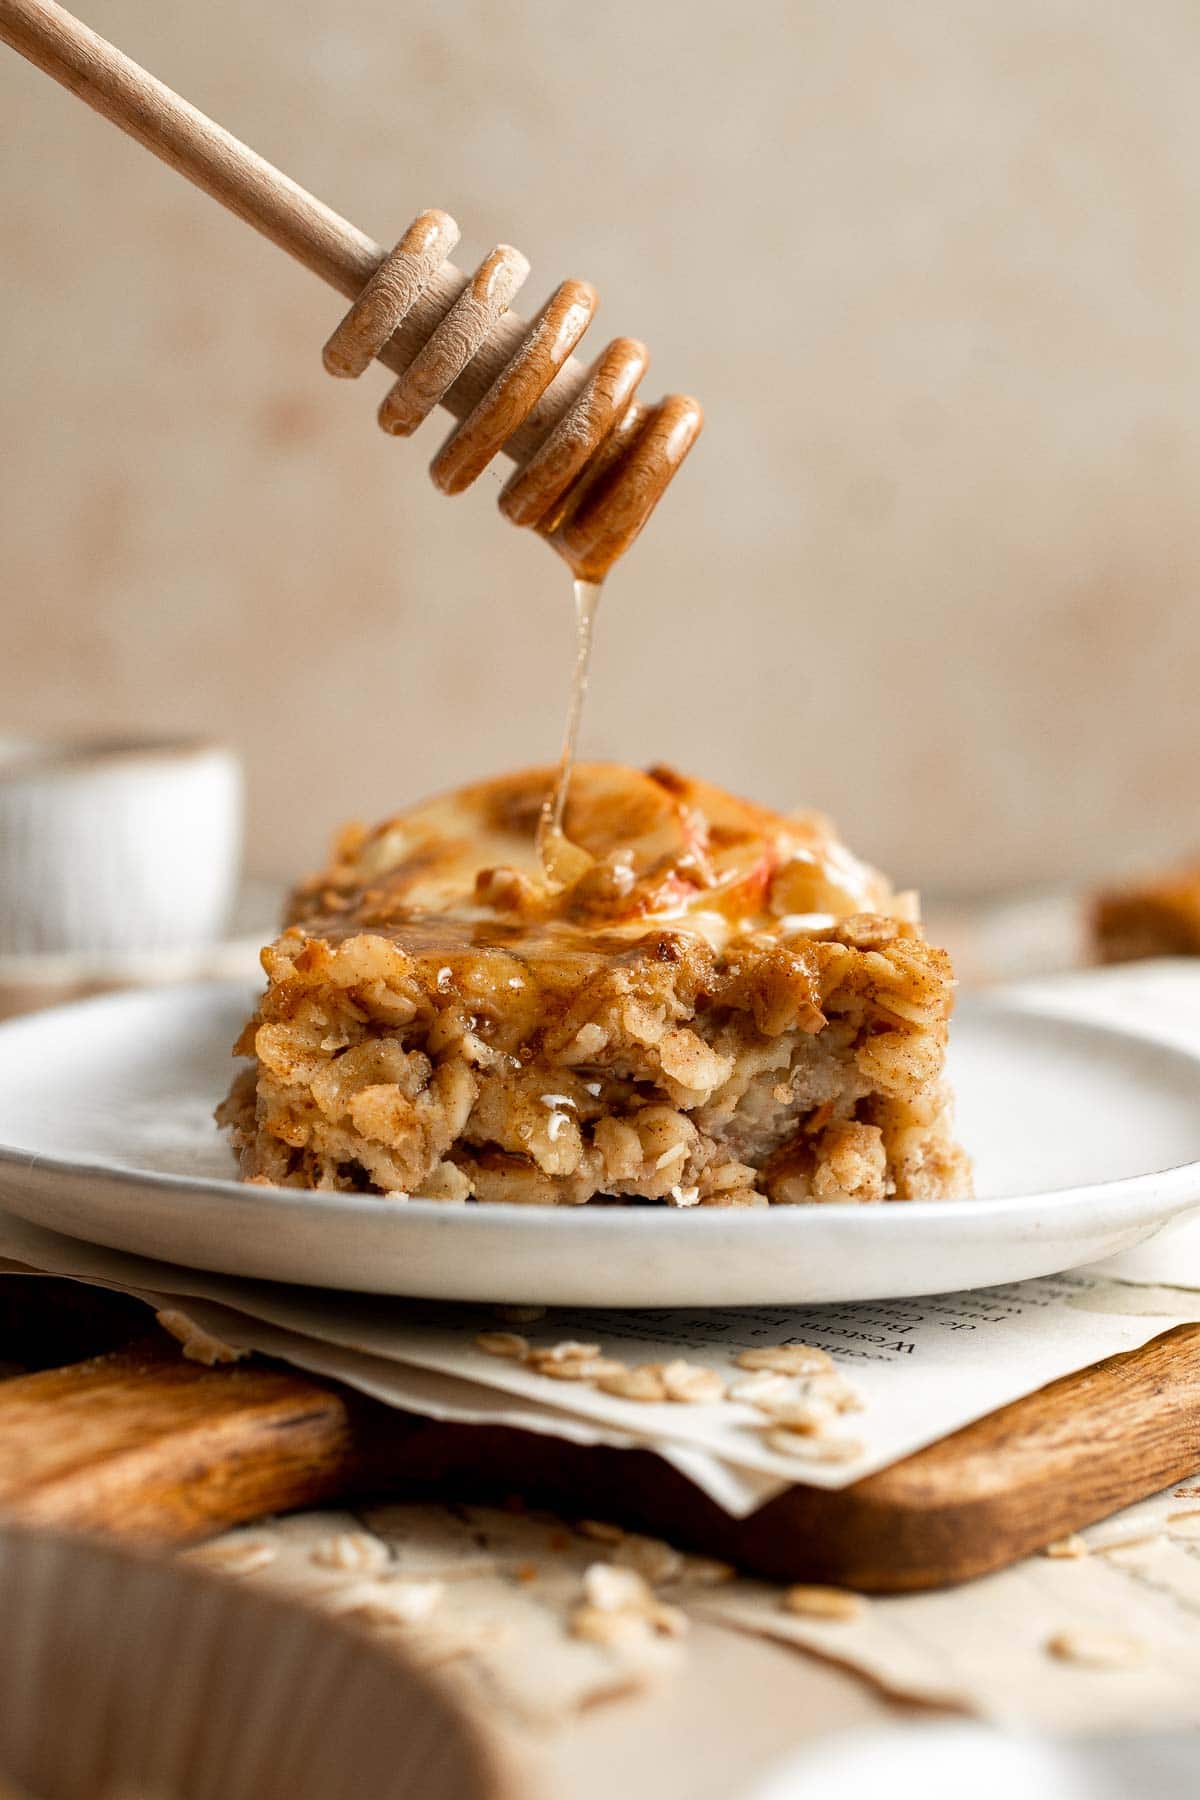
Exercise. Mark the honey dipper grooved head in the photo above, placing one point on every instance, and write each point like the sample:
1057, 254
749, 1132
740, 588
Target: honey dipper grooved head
605, 460
612, 513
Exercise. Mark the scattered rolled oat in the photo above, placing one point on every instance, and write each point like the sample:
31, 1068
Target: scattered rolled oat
800, 1415
619, 1607
753, 1389
837, 1391
400, 1603
668, 1621
815, 1448
691, 1383
823, 1602
600, 1531
615, 1589
351, 1550
786, 1359
197, 1344
582, 1368
567, 1351
653, 1559
642, 1383
520, 1315
1092, 1648
607, 1627
235, 1556
1066, 1547
1184, 1524
503, 1343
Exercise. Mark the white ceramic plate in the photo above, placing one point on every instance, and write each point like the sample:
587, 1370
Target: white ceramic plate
1086, 1140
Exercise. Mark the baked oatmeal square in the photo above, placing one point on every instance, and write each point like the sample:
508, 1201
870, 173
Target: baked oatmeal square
720, 1007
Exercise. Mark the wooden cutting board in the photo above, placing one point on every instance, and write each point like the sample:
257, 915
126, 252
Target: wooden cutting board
140, 1443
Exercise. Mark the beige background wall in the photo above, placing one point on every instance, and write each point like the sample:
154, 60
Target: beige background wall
934, 269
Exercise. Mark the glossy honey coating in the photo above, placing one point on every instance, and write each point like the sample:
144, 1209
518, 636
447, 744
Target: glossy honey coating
655, 846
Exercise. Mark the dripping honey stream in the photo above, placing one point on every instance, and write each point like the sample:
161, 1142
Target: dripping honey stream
561, 860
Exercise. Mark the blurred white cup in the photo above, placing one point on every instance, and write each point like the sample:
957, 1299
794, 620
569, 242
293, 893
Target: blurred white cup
111, 847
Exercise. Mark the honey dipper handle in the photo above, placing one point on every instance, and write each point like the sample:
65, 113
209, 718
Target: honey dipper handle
214, 160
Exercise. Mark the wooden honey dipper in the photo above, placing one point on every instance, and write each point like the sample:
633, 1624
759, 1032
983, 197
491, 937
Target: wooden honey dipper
593, 461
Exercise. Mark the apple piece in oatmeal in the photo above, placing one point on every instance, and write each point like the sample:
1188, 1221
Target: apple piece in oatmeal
722, 1008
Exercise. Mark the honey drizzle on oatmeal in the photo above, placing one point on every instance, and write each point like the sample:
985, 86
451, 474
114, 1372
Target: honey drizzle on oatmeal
562, 861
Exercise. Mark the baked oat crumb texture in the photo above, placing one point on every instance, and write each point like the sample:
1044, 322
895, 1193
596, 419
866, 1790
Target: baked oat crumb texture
724, 1008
